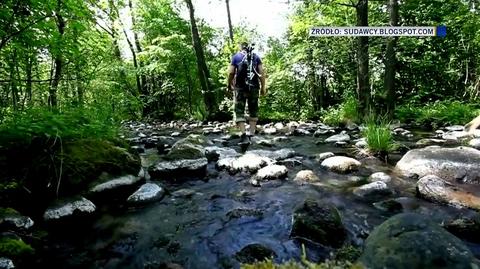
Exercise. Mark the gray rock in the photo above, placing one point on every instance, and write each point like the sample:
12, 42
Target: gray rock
301, 131
11, 219
474, 143
265, 142
291, 162
320, 223
6, 263
413, 241
279, 126
68, 209
185, 193
280, 139
451, 164
214, 153
275, 155
273, 171
184, 149
377, 188
325, 155
362, 143
430, 142
306, 175
117, 183
342, 137
148, 192
351, 126
321, 132
179, 167
438, 190
175, 134
246, 163
455, 135
270, 131
454, 128
380, 176
341, 164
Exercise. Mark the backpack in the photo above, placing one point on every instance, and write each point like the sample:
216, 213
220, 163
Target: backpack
247, 75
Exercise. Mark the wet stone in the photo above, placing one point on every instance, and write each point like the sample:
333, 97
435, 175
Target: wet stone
254, 253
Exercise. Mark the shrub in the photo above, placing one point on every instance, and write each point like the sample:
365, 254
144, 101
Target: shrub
379, 138
344, 113
14, 248
436, 114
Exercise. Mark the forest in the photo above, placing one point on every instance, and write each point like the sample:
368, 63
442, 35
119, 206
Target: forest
94, 91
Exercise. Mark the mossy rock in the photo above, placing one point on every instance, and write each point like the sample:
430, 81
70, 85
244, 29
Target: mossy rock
413, 241
14, 248
8, 212
37, 168
319, 222
186, 150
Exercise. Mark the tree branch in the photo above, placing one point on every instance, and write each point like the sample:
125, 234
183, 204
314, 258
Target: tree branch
5, 40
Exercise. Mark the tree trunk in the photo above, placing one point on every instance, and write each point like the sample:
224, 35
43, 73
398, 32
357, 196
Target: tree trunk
58, 62
391, 60
135, 63
28, 72
230, 27
143, 78
363, 79
204, 75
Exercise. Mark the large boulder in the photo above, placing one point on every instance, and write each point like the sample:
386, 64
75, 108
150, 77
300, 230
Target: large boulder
341, 164
172, 169
248, 162
451, 164
413, 241
6, 263
319, 222
438, 190
190, 147
67, 209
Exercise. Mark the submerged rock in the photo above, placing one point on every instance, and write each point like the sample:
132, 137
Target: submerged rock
377, 188
430, 142
413, 241
195, 167
184, 193
467, 228
81, 206
436, 189
254, 253
320, 223
341, 164
451, 164
215, 153
148, 192
390, 205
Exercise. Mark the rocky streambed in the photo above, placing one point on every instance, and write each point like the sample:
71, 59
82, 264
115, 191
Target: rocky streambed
202, 201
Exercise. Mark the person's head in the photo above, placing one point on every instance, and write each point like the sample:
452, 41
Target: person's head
243, 45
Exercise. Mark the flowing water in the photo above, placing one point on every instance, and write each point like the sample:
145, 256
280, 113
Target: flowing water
225, 214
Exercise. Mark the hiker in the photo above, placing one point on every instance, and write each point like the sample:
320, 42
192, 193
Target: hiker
246, 78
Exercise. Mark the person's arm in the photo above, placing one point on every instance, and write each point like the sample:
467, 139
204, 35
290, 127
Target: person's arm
261, 72
231, 76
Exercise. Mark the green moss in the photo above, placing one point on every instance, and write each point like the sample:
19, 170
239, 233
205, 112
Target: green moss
348, 253
84, 160
14, 248
268, 264
6, 212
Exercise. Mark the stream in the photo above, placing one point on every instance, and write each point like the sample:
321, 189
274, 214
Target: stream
213, 218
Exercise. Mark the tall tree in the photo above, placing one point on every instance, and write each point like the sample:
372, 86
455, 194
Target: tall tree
391, 60
204, 74
230, 27
58, 57
363, 76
